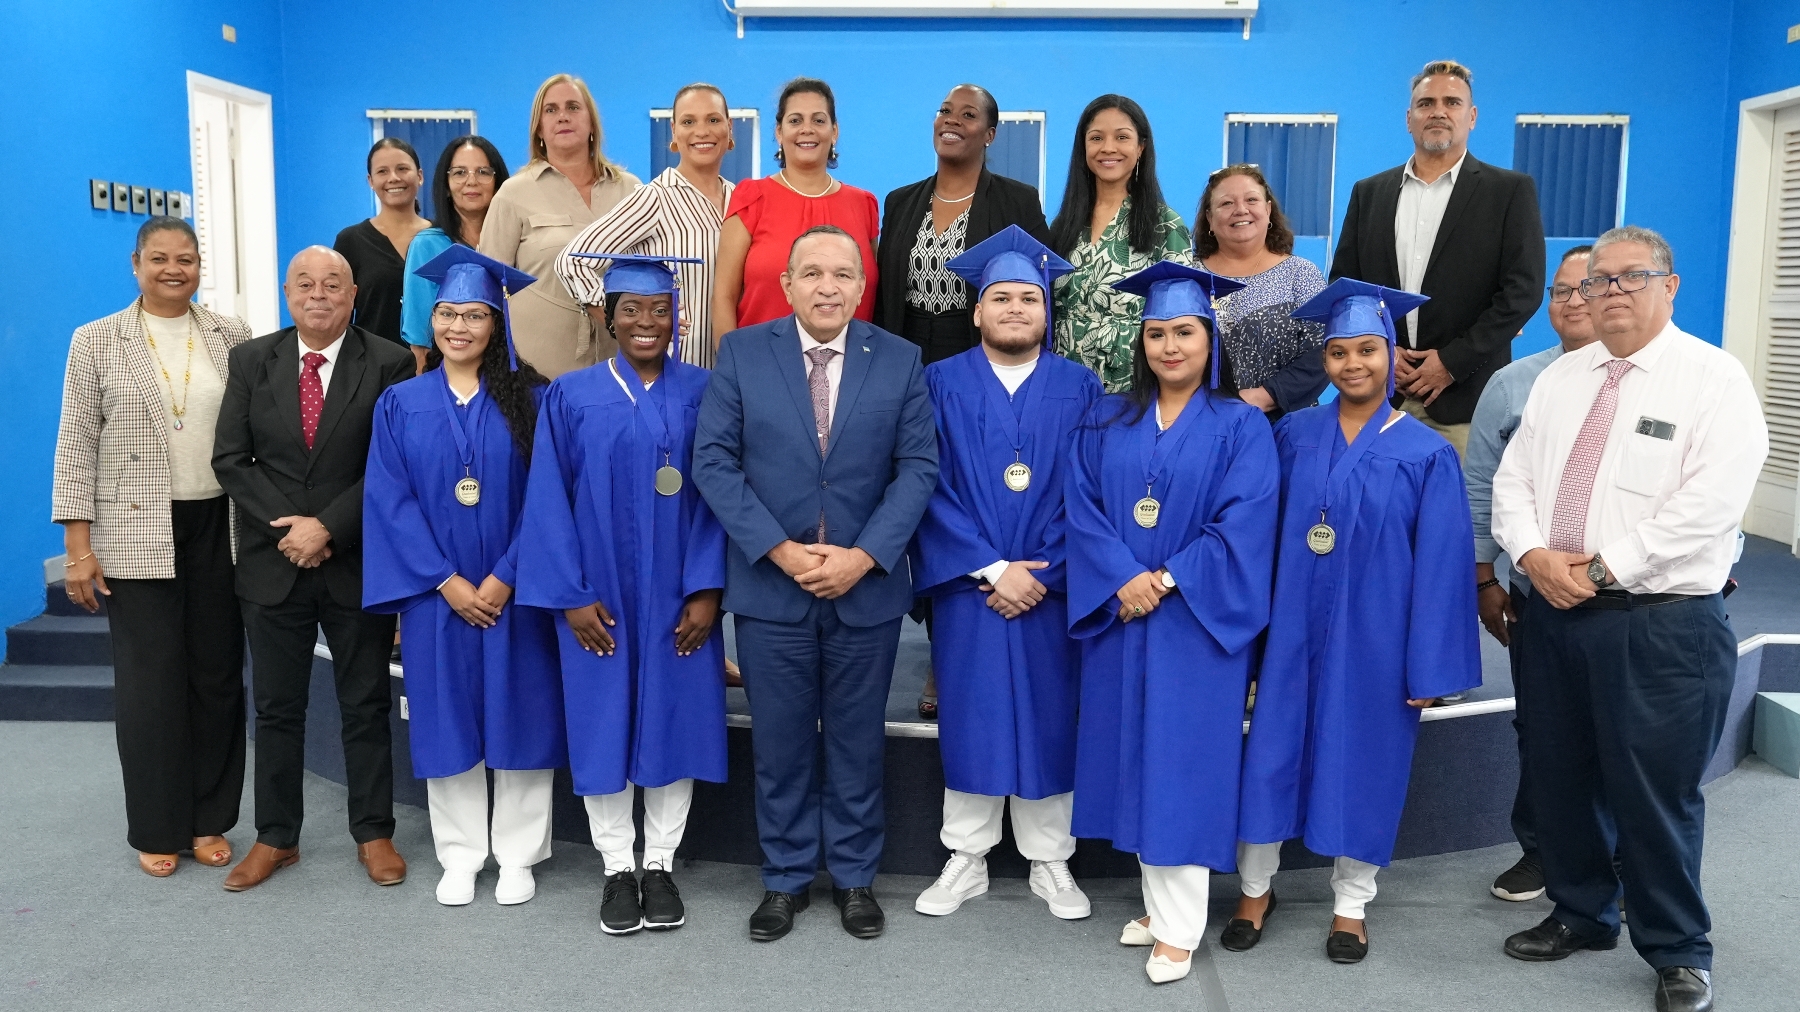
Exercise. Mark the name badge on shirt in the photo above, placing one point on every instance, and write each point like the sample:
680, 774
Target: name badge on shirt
1655, 428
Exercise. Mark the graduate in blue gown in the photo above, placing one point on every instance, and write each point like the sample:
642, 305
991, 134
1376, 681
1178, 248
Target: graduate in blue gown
989, 553
1171, 537
442, 500
1374, 589
628, 555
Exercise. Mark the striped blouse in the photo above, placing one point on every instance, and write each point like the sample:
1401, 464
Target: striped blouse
666, 217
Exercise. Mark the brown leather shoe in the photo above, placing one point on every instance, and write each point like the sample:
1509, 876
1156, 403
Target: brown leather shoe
256, 867
386, 866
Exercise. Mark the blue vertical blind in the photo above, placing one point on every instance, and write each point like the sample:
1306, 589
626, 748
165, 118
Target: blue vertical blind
1577, 163
429, 133
1297, 157
740, 161
1018, 149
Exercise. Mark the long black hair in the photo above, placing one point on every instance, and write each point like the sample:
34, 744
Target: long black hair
514, 393
1077, 210
441, 201
1144, 387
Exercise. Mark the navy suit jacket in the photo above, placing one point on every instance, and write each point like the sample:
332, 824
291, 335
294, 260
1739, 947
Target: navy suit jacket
757, 463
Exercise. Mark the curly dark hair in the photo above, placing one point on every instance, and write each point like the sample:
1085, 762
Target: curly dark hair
1281, 235
514, 393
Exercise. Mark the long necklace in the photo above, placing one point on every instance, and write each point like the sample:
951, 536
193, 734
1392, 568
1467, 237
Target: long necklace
187, 373
781, 177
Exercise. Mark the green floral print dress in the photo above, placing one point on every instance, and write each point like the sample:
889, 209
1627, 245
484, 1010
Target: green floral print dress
1096, 325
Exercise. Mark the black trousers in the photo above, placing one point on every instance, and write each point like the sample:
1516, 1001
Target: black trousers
178, 688
1624, 710
281, 657
1524, 827
940, 335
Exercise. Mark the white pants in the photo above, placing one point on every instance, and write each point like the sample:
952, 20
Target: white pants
459, 818
665, 819
1352, 881
1040, 828
1175, 898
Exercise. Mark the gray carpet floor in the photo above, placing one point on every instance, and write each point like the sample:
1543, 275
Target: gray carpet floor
82, 928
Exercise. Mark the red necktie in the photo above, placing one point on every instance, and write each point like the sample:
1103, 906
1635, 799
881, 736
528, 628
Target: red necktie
1568, 520
312, 395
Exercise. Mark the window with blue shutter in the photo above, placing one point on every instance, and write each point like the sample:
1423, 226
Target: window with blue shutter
1018, 149
1298, 156
742, 162
429, 131
1578, 164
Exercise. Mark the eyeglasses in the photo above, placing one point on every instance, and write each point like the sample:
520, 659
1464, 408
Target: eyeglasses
472, 317
458, 175
1561, 293
1628, 282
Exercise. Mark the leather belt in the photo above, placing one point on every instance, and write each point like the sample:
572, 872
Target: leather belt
1619, 600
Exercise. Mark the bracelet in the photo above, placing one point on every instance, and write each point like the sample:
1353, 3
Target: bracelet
1485, 584
84, 558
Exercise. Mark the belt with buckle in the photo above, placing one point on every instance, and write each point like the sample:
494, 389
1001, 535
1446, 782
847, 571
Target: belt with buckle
1619, 600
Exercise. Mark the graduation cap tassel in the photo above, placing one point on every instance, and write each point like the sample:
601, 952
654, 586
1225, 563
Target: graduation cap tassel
512, 354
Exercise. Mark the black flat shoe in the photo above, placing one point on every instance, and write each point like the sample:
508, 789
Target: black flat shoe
1240, 935
1344, 947
620, 912
774, 916
1683, 989
663, 909
858, 910
1552, 940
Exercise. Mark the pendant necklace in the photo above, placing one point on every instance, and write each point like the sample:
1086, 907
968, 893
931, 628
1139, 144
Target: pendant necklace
187, 374
467, 490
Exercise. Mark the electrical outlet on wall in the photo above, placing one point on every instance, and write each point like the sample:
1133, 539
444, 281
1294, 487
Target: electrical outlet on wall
140, 200
121, 196
159, 204
100, 193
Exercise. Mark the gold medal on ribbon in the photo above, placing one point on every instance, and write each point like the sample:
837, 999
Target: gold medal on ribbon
1017, 476
668, 480
468, 491
1320, 537
1146, 512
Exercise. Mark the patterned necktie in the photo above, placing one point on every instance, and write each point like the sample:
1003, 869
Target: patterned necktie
1568, 521
819, 381
312, 395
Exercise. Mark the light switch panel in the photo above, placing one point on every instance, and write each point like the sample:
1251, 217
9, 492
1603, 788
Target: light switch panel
159, 204
140, 200
186, 205
101, 194
121, 196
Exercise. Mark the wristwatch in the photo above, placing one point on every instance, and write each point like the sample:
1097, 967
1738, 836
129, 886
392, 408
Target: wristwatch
1596, 572
1168, 580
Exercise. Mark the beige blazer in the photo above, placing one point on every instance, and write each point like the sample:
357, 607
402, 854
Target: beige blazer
112, 446
532, 218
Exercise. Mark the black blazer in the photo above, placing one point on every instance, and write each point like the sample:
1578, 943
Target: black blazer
1485, 277
262, 462
999, 201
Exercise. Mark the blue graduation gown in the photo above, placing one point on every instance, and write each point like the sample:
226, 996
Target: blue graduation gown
600, 532
473, 695
1007, 690
1162, 697
1388, 615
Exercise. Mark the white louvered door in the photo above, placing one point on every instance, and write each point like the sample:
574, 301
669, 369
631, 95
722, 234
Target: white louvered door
1778, 370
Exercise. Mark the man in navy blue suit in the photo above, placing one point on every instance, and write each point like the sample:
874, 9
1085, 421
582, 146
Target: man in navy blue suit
817, 451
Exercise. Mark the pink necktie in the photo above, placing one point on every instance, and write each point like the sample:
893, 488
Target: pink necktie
1568, 521
312, 395
819, 382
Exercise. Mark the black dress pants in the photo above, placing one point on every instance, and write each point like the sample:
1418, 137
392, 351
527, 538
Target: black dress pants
940, 335
1624, 710
281, 658
178, 688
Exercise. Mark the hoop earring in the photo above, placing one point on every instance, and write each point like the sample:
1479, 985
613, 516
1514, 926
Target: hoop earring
831, 159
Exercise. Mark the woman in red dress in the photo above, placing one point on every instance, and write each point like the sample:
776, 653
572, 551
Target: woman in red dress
767, 215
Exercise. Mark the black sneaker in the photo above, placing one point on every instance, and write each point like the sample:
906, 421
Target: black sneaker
662, 901
620, 913
1523, 881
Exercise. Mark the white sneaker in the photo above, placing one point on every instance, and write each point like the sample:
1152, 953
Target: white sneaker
1052, 881
516, 886
1162, 969
456, 888
1136, 933
964, 875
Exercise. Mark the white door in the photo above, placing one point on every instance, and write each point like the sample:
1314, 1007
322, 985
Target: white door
232, 141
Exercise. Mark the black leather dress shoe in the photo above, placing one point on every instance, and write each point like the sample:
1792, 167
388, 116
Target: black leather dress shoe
1683, 989
1344, 947
1240, 935
860, 913
774, 916
1552, 940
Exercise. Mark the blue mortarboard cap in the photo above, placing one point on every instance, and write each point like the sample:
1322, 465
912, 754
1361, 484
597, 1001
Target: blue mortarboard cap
637, 274
1011, 254
463, 275
1351, 308
1172, 289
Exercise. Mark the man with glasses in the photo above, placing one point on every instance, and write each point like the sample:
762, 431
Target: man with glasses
1496, 419
1620, 497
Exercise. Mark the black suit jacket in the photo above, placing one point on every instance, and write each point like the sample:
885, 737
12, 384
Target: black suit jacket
998, 202
1485, 277
262, 461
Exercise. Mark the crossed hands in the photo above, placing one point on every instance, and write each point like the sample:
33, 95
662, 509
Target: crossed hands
478, 606
1016, 591
1421, 374
824, 571
1141, 595
1560, 576
307, 542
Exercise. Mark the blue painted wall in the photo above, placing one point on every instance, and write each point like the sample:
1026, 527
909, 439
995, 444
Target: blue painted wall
102, 86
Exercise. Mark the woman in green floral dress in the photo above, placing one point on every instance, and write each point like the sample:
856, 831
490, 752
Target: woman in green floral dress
1112, 193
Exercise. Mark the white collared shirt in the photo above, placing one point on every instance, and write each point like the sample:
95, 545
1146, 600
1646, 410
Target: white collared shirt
330, 352
1416, 220
1664, 512
834, 369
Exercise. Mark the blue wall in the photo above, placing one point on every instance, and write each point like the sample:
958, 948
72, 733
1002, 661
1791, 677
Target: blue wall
122, 113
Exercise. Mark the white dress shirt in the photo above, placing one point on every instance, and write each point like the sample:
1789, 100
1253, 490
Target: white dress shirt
330, 352
834, 369
1416, 220
1664, 512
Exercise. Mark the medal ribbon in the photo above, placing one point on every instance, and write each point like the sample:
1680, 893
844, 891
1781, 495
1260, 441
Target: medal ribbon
657, 421
1172, 438
1002, 406
465, 443
1339, 474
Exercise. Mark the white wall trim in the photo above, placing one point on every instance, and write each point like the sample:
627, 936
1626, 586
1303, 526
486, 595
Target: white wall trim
225, 89
1772, 101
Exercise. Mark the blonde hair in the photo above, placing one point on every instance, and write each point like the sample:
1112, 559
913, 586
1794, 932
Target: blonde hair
603, 169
